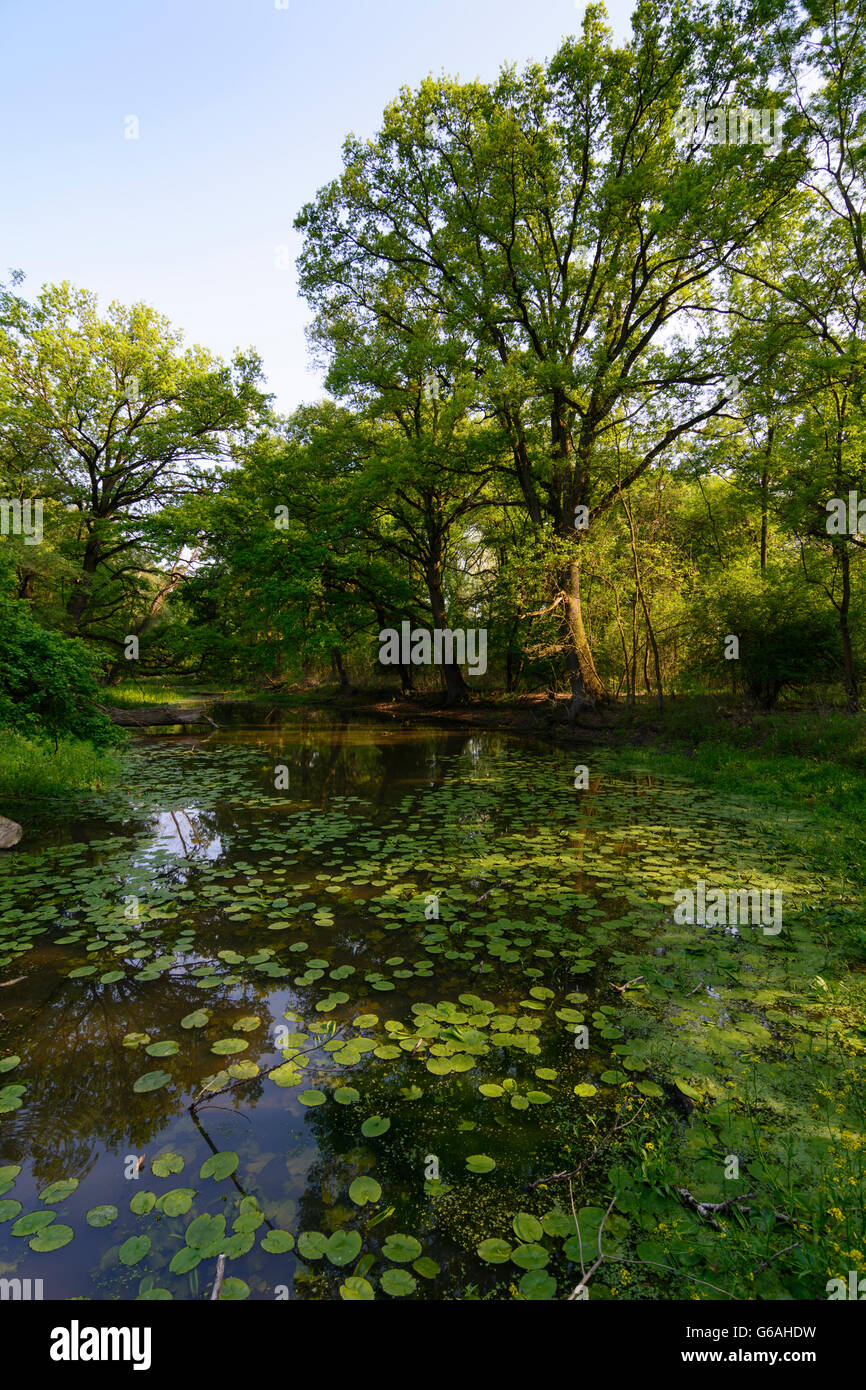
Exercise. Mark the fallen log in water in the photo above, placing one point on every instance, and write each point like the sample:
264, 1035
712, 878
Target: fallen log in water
145, 716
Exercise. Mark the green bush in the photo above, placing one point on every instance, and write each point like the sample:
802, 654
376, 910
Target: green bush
48, 682
788, 634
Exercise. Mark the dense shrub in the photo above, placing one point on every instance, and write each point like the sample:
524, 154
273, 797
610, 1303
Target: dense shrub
48, 683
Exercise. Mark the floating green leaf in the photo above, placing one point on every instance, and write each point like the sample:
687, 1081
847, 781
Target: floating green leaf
186, 1259
166, 1164
151, 1081
142, 1203
364, 1190
133, 1250
162, 1049
219, 1165
233, 1290
343, 1247
312, 1245
527, 1228
32, 1222
530, 1256
312, 1097
401, 1249
177, 1201
286, 1075
480, 1163
278, 1242
52, 1238
375, 1125
357, 1289
197, 1019
398, 1283
494, 1251
58, 1191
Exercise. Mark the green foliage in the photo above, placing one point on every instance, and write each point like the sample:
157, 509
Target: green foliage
786, 638
48, 683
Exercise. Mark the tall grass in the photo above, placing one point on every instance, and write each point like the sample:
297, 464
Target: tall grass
30, 768
154, 690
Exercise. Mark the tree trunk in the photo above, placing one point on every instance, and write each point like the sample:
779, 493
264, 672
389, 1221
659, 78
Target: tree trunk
340, 670
456, 690
178, 572
586, 684
651, 637
852, 692
151, 716
407, 683
81, 589
26, 583
765, 494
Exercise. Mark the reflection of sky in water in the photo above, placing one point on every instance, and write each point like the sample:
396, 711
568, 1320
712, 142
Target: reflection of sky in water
181, 832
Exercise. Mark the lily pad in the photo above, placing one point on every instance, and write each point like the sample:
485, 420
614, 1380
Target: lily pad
278, 1242
58, 1191
401, 1249
312, 1097
52, 1237
355, 1289
364, 1190
166, 1164
186, 1259
527, 1228
233, 1290
162, 1049
494, 1252
398, 1283
480, 1163
312, 1245
142, 1203
133, 1250
375, 1125
32, 1222
197, 1019
530, 1256
537, 1285
151, 1081
343, 1247
177, 1201
286, 1075
219, 1165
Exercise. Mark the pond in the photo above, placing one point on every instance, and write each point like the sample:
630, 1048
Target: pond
337, 999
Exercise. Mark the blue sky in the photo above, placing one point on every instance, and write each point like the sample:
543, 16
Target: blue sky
242, 110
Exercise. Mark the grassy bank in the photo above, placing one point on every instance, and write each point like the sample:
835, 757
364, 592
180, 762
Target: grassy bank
153, 690
30, 769
804, 770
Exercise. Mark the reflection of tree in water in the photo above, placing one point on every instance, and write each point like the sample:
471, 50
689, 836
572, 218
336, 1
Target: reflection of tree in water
446, 1122
82, 1094
345, 766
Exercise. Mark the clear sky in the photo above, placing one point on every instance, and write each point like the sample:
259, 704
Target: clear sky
242, 108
